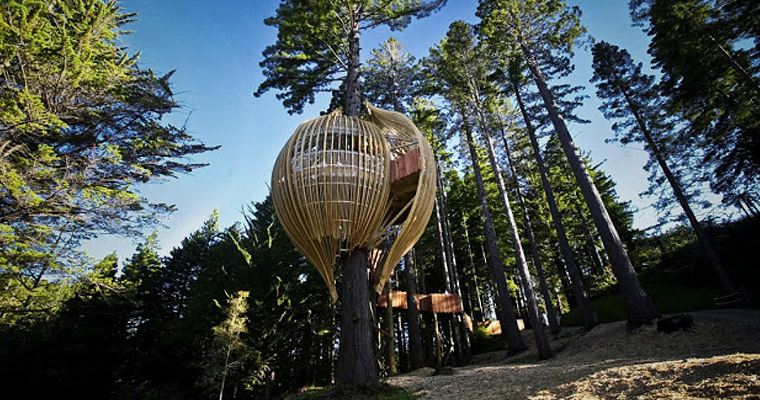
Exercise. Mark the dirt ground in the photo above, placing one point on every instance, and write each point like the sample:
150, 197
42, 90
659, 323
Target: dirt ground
719, 357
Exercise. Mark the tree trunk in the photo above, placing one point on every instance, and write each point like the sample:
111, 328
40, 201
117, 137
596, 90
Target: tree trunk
390, 352
551, 314
446, 261
640, 308
596, 258
542, 342
416, 356
704, 239
480, 316
353, 98
437, 341
403, 359
735, 65
224, 373
579, 290
507, 318
356, 363
461, 341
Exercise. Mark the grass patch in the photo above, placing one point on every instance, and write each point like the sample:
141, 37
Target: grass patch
482, 342
670, 291
379, 391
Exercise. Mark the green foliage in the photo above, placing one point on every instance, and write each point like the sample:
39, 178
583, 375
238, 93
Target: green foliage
228, 353
391, 76
630, 97
81, 127
312, 49
483, 342
710, 79
550, 29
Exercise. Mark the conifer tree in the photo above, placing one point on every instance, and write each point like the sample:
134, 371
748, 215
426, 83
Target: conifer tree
712, 81
81, 127
545, 32
317, 45
631, 98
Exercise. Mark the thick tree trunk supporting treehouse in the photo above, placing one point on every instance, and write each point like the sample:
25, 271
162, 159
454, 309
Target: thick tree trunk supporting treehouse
551, 313
353, 98
507, 318
641, 309
710, 253
578, 289
416, 356
390, 352
356, 363
539, 333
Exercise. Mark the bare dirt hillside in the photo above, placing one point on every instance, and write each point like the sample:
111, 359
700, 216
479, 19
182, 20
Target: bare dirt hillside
719, 357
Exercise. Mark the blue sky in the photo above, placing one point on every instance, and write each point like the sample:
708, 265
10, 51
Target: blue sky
215, 48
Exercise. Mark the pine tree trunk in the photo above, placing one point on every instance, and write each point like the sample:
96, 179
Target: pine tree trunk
578, 289
736, 66
481, 313
461, 340
356, 363
704, 239
640, 307
596, 258
446, 262
436, 341
390, 352
353, 98
539, 333
551, 313
507, 318
416, 356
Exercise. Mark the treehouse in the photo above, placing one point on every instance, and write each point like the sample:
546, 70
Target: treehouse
345, 182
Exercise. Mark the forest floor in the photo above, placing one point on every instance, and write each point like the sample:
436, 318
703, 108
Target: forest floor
719, 357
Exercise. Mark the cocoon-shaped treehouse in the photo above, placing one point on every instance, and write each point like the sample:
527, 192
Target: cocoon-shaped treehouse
345, 182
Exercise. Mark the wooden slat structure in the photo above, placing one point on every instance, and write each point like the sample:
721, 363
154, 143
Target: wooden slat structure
334, 189
436, 302
442, 303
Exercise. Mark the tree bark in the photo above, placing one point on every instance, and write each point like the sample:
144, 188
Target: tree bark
551, 313
446, 260
356, 363
461, 341
640, 307
507, 318
480, 316
578, 288
539, 333
416, 356
390, 352
353, 101
596, 258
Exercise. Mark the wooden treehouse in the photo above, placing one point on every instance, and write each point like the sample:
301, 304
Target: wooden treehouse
342, 183
442, 303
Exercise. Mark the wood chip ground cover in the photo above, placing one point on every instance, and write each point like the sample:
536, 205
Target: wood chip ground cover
713, 360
